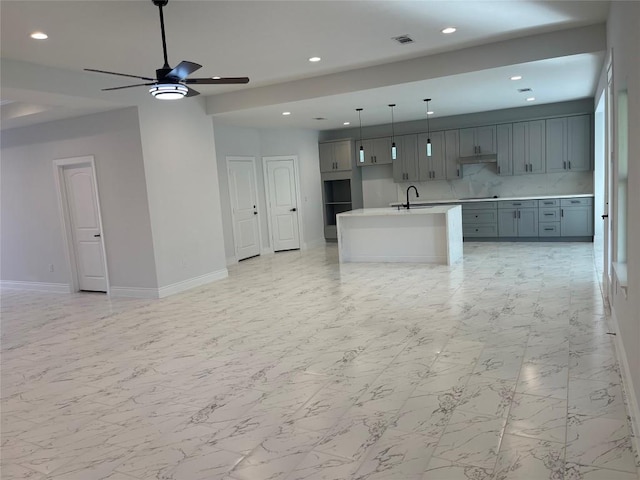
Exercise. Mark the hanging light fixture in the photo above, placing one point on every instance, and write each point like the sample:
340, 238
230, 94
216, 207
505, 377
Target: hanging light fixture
394, 150
428, 129
361, 158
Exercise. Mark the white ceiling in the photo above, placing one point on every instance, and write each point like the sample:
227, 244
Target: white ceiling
270, 41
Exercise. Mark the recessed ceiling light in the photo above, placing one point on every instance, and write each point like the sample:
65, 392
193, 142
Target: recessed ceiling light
216, 78
347, 123
448, 30
516, 77
530, 99
430, 112
286, 113
315, 59
39, 35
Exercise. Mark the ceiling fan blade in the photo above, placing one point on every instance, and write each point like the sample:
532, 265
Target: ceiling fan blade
120, 74
192, 92
183, 70
128, 86
217, 81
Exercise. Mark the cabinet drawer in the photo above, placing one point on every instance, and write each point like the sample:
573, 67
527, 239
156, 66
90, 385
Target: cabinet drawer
549, 214
549, 229
575, 202
518, 204
480, 230
549, 202
480, 216
479, 205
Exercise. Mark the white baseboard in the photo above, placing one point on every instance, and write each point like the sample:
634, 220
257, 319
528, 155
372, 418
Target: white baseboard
628, 386
192, 282
134, 292
36, 286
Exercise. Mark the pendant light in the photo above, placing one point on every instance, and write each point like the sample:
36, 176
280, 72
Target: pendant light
428, 129
394, 150
361, 158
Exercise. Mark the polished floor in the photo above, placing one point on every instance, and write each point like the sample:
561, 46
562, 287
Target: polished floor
298, 368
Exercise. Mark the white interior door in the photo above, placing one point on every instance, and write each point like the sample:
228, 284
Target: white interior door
244, 207
283, 204
82, 205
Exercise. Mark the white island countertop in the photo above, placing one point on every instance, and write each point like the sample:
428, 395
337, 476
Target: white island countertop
429, 234
419, 202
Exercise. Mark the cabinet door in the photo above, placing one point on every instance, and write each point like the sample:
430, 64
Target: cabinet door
343, 154
327, 161
382, 151
537, 151
405, 167
437, 159
504, 149
424, 162
368, 146
528, 222
520, 148
508, 223
556, 146
467, 142
579, 143
452, 153
486, 139
576, 221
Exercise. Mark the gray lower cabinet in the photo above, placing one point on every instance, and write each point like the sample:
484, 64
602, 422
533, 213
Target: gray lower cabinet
576, 217
518, 218
480, 219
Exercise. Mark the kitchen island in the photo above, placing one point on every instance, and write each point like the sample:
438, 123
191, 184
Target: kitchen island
416, 235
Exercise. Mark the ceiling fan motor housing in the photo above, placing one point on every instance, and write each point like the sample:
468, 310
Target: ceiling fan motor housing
161, 75
160, 3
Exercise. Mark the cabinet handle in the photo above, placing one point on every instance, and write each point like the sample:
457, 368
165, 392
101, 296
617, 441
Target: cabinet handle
498, 169
562, 212
575, 201
549, 215
564, 165
516, 203
518, 213
458, 172
549, 229
548, 203
515, 214
569, 165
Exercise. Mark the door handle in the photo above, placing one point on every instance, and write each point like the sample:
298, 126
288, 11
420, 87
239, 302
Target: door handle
97, 235
255, 213
294, 209
604, 216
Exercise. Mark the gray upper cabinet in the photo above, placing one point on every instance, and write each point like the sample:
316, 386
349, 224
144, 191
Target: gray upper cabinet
336, 156
405, 167
433, 167
569, 144
579, 143
504, 147
529, 151
451, 154
477, 141
377, 151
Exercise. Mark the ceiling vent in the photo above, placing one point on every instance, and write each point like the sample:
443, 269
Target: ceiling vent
524, 90
403, 39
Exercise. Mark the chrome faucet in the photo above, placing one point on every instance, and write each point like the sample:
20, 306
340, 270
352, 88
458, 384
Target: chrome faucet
417, 195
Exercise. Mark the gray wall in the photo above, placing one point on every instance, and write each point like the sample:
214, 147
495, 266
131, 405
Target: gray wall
250, 142
31, 225
182, 184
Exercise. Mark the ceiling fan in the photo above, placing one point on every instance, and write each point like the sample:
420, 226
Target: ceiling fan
172, 83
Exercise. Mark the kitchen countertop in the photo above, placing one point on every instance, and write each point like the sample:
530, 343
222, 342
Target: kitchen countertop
488, 199
386, 211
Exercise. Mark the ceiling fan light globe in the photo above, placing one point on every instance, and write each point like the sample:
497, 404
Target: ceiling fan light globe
169, 91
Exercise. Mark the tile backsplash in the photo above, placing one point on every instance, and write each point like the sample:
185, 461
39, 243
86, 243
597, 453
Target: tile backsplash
482, 181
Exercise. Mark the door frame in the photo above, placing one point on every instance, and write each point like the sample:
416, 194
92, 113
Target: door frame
59, 166
296, 177
236, 158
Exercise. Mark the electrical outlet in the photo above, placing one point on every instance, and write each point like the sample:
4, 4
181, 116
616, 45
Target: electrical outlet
51, 267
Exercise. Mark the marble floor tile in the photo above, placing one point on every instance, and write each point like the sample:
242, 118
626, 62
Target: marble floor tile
542, 418
296, 367
523, 458
599, 442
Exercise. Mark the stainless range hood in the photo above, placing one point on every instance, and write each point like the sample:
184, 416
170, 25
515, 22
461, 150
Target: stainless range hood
488, 158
